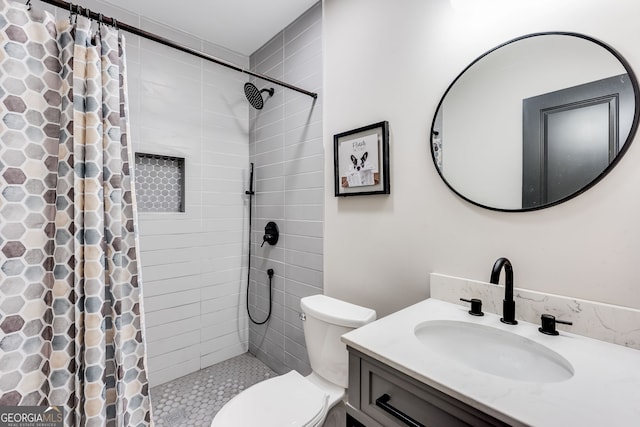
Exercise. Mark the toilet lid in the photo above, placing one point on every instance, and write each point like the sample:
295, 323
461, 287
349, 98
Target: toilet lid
289, 400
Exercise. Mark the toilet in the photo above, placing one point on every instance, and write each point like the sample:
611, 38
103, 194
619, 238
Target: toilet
291, 400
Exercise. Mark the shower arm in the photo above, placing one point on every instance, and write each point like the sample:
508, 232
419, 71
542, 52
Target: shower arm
159, 39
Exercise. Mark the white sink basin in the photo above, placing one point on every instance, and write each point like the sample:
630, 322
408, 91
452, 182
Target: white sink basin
493, 351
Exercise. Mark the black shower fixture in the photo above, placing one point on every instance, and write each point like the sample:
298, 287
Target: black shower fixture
254, 95
271, 234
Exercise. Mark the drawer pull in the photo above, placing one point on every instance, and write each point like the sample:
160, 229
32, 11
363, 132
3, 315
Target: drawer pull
383, 403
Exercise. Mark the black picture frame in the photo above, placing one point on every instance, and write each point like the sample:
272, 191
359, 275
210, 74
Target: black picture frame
361, 161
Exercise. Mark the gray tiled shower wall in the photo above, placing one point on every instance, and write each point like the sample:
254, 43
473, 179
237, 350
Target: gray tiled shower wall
287, 149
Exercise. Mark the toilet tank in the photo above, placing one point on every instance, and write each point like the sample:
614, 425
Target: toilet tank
327, 319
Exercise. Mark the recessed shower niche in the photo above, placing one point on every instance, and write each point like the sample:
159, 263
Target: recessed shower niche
159, 183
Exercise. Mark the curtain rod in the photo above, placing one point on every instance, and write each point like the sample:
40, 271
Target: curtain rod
158, 39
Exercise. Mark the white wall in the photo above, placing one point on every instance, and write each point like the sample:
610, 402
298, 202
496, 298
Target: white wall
393, 61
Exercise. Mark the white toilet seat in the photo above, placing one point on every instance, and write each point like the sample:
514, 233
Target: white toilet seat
289, 400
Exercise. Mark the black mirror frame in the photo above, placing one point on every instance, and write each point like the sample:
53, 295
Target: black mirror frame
622, 152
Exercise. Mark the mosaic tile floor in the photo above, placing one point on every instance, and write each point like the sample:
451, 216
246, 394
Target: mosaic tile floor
194, 400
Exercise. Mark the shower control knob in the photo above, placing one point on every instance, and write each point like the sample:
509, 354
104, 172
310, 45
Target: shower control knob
271, 234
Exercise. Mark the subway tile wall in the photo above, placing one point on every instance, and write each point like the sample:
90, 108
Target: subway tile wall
287, 149
193, 263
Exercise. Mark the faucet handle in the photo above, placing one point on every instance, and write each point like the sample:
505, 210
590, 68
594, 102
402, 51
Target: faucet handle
476, 306
548, 322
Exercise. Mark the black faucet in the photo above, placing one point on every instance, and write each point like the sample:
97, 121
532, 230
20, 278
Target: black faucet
508, 304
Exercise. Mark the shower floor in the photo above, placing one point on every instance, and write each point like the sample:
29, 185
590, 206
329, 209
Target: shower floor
194, 400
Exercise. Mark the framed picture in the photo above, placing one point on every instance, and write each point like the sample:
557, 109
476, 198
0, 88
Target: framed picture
361, 161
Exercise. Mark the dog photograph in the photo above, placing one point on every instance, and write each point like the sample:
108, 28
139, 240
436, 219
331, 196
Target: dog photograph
360, 159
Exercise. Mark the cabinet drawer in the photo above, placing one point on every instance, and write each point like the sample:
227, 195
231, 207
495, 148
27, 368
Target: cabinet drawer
396, 400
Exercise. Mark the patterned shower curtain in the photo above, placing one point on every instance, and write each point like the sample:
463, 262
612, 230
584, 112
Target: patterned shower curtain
70, 301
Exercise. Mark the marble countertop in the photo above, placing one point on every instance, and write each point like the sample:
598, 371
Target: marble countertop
604, 390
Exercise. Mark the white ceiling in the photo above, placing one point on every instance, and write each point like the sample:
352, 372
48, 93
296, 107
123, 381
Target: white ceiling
240, 25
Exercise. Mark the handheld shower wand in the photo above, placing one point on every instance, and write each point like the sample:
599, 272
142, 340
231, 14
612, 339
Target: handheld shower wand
250, 192
270, 273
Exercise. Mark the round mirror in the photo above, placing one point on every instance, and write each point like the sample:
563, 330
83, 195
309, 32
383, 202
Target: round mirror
535, 121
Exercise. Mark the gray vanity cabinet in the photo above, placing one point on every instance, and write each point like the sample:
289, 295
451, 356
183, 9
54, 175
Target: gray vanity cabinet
380, 396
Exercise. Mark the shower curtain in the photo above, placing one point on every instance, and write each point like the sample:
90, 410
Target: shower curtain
70, 301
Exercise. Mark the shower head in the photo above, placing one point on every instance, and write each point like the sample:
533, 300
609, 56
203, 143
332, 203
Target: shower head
254, 95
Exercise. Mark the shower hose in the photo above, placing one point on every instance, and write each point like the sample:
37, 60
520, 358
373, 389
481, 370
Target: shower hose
250, 193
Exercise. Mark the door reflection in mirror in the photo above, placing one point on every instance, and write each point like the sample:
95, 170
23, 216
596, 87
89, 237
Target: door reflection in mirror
570, 136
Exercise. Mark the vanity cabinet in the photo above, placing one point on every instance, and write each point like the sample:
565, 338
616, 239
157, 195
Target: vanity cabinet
380, 396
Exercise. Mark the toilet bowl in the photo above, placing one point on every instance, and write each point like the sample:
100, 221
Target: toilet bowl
289, 400
292, 400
